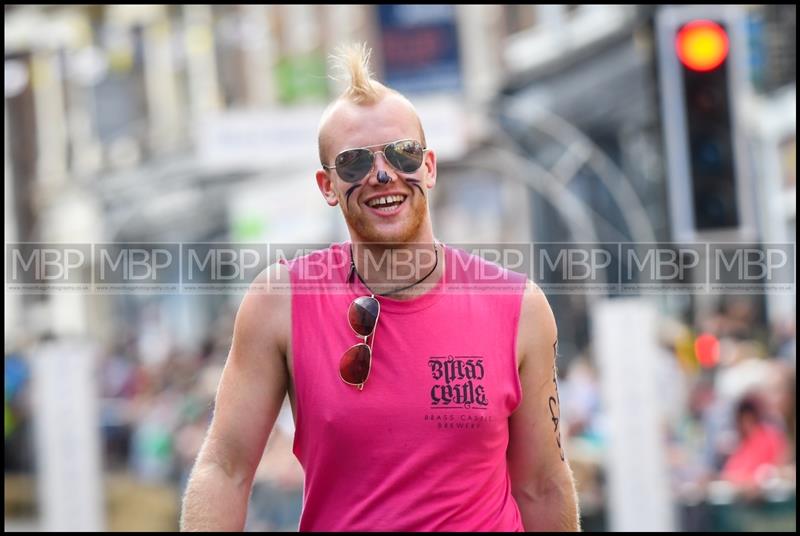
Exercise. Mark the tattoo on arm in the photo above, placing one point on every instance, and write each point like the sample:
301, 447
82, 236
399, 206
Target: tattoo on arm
554, 404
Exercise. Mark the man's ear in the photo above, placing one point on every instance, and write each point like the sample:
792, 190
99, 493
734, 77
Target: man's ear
325, 185
430, 168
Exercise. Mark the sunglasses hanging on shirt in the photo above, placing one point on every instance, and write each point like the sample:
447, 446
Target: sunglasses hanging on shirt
362, 315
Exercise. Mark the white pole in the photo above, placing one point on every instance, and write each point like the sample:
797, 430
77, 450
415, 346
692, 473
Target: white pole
67, 438
626, 351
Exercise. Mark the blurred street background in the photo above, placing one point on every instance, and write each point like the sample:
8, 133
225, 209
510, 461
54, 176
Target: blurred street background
562, 124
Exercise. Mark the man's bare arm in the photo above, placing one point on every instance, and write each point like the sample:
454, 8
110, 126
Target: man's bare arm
251, 391
541, 479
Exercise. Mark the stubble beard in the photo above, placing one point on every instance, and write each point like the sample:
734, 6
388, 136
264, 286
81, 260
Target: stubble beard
409, 231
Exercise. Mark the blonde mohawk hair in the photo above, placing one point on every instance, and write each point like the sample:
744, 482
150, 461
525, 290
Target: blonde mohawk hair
353, 63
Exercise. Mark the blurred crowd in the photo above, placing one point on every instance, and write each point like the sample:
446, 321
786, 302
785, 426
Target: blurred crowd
153, 417
728, 414
729, 419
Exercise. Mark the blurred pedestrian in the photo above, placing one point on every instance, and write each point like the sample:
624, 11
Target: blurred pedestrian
762, 445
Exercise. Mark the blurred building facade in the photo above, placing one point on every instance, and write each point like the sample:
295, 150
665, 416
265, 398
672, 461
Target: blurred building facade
197, 123
125, 122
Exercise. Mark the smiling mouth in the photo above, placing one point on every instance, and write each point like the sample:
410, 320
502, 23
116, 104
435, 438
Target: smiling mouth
386, 203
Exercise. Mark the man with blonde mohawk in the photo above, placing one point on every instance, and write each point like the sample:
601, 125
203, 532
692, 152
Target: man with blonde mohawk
450, 421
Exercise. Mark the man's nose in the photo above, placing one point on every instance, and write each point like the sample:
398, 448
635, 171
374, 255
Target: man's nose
383, 172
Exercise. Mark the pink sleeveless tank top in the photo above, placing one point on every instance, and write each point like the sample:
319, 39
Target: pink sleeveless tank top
423, 446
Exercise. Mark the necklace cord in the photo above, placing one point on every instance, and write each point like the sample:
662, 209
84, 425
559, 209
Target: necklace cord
353, 269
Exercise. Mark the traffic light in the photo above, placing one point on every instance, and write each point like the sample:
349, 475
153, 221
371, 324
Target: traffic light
700, 74
702, 47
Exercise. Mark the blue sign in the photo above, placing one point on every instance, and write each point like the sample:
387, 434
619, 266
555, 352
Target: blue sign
420, 47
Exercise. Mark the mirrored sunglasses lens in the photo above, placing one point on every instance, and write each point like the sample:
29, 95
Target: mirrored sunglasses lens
353, 165
363, 314
354, 366
406, 156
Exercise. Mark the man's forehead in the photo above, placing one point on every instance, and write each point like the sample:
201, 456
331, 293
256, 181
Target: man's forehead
352, 125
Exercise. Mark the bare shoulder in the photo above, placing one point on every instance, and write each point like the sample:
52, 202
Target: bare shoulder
264, 316
537, 326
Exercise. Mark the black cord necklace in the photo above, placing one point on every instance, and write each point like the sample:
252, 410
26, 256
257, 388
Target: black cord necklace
353, 269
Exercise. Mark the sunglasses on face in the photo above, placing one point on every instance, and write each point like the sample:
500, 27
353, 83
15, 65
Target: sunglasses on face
356, 362
352, 165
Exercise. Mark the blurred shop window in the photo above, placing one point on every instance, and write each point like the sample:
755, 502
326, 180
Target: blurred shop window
120, 101
180, 63
547, 17
772, 39
22, 149
518, 17
228, 24
420, 48
300, 71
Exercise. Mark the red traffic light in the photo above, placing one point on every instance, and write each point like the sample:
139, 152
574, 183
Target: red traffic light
702, 45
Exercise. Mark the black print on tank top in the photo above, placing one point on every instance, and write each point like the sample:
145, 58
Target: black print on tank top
457, 382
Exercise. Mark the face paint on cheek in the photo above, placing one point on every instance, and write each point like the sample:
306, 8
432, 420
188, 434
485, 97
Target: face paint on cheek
416, 183
349, 193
